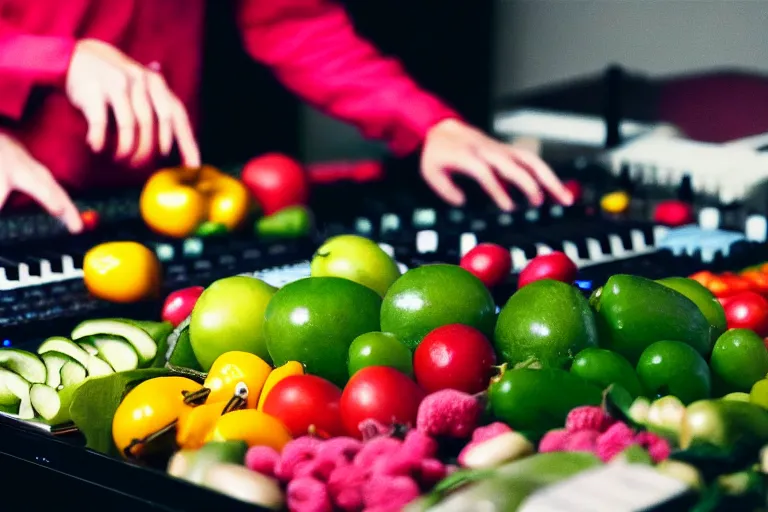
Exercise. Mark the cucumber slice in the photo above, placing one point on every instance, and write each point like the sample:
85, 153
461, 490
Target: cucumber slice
113, 349
15, 384
72, 373
142, 342
95, 366
24, 363
51, 405
92, 350
53, 362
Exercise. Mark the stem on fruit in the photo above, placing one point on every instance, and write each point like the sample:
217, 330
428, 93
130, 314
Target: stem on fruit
196, 398
499, 372
322, 254
129, 450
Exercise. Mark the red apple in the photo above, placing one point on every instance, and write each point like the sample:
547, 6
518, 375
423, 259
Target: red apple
276, 181
555, 265
178, 305
490, 263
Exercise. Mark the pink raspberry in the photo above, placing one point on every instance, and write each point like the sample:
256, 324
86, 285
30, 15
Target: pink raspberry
614, 441
341, 450
308, 495
658, 447
317, 468
448, 412
299, 451
376, 448
419, 444
345, 486
429, 472
262, 459
582, 441
588, 417
554, 441
390, 491
490, 431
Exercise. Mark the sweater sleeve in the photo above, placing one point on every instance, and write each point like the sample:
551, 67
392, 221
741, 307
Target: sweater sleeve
312, 47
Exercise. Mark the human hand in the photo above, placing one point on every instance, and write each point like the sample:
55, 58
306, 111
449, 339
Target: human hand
101, 77
452, 146
20, 171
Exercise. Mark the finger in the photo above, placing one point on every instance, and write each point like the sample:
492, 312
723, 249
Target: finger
40, 186
95, 112
126, 122
516, 175
185, 137
440, 181
544, 175
5, 191
145, 121
163, 106
473, 166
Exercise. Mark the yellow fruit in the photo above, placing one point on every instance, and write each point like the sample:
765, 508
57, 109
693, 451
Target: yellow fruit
615, 202
287, 370
253, 427
122, 272
148, 408
233, 368
195, 423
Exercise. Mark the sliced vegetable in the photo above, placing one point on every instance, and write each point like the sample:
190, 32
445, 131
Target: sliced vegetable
11, 383
52, 405
54, 361
115, 350
142, 342
72, 373
23, 363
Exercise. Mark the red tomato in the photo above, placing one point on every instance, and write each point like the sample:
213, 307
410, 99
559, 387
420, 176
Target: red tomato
490, 263
456, 357
758, 280
306, 403
704, 277
276, 182
555, 266
574, 187
379, 393
747, 310
673, 213
178, 305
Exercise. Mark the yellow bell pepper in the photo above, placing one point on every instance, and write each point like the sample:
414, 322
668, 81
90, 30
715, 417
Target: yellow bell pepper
254, 427
122, 272
177, 201
287, 370
195, 423
234, 368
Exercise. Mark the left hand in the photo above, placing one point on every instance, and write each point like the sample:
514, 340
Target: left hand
452, 146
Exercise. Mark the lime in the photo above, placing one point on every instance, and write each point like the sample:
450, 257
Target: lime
739, 359
428, 297
314, 321
603, 368
739, 396
758, 395
358, 259
547, 321
674, 368
228, 316
707, 303
379, 349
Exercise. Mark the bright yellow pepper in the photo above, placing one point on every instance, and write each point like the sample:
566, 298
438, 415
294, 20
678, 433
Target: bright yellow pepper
122, 272
287, 370
195, 423
254, 427
176, 202
147, 409
233, 369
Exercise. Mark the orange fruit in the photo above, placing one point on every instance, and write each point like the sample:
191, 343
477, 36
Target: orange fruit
122, 272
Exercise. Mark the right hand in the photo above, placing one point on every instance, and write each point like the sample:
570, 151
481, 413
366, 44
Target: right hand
20, 171
148, 114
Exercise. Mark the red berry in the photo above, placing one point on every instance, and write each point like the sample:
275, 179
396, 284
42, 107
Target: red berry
490, 263
454, 357
554, 265
673, 213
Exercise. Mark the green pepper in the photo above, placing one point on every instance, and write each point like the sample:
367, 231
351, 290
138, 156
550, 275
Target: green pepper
707, 303
633, 312
290, 222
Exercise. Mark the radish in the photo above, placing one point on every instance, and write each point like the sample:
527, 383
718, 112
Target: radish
490, 263
555, 265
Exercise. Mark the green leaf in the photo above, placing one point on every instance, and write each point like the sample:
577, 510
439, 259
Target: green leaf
96, 400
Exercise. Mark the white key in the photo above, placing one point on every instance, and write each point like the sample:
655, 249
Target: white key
390, 222
388, 249
426, 241
594, 250
570, 250
756, 228
617, 246
709, 218
659, 232
519, 259
638, 240
467, 242
542, 249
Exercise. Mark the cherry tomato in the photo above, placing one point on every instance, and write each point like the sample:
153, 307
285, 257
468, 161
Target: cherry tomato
555, 265
758, 280
276, 182
747, 310
673, 213
306, 403
490, 263
454, 356
178, 305
704, 277
379, 393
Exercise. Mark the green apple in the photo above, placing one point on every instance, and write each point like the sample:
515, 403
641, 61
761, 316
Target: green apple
228, 316
358, 259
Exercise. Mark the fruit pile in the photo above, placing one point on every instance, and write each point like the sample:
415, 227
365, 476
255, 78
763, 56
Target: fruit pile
364, 388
